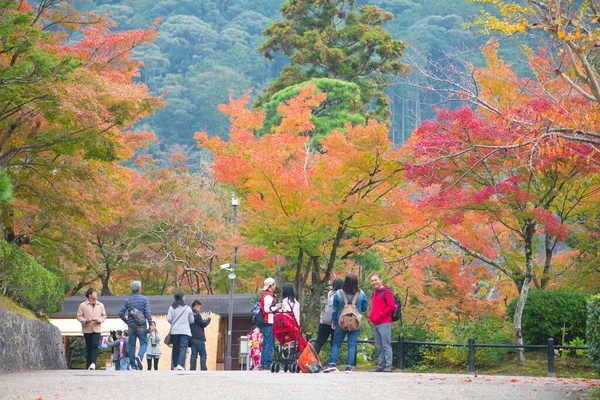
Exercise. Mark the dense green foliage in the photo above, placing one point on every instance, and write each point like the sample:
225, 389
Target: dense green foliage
27, 282
207, 51
341, 106
336, 39
548, 312
593, 331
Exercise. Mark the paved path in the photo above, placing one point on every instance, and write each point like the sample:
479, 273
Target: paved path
216, 385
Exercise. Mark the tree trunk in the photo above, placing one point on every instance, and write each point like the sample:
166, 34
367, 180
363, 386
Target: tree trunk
530, 227
299, 280
550, 244
318, 283
317, 289
105, 291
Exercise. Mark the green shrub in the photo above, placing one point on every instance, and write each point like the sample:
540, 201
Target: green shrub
548, 312
489, 330
593, 331
413, 354
28, 283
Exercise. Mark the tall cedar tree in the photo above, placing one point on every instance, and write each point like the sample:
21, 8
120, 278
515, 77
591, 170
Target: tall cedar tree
335, 39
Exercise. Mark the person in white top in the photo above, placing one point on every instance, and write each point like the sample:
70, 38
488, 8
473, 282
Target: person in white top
180, 316
289, 303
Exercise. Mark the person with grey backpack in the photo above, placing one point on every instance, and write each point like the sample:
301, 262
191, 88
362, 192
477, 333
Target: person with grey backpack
137, 309
348, 305
325, 331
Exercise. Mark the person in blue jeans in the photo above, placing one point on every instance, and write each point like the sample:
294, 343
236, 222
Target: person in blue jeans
269, 306
198, 339
137, 330
180, 316
350, 288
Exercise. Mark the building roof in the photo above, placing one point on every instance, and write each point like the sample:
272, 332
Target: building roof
159, 305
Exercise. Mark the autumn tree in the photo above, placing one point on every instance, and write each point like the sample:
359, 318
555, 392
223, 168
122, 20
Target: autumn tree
522, 180
181, 222
67, 118
316, 208
339, 40
571, 29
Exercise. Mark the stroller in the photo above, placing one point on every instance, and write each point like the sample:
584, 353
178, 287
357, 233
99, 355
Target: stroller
289, 342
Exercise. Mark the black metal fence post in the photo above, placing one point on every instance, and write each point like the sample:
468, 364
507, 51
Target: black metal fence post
401, 352
471, 355
551, 357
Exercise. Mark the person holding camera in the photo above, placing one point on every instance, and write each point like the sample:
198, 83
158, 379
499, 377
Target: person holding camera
91, 314
198, 339
154, 350
114, 342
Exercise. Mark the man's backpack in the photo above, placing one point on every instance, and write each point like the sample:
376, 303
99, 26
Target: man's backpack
258, 316
137, 315
350, 318
397, 313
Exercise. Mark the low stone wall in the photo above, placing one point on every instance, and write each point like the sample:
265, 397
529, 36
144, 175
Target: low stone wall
28, 344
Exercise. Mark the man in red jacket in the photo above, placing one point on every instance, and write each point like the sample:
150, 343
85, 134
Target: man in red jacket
382, 306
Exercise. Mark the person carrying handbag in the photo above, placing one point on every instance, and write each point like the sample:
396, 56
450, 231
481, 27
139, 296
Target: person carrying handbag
180, 317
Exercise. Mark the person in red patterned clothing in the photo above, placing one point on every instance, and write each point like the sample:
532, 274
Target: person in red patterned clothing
255, 341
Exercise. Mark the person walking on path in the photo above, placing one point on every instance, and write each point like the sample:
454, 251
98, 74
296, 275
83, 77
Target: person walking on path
91, 314
136, 306
382, 306
349, 290
325, 331
269, 306
180, 316
198, 339
154, 350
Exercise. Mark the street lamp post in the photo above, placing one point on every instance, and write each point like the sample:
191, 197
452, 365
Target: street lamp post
234, 202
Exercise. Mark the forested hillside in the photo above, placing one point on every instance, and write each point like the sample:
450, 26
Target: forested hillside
207, 50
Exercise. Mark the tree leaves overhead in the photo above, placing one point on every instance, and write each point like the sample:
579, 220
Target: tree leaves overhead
67, 120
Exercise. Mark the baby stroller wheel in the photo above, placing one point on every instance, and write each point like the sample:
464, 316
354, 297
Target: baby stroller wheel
285, 368
276, 368
272, 368
294, 368
297, 368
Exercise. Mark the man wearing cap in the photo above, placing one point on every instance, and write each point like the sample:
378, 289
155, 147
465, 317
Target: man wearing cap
136, 329
269, 306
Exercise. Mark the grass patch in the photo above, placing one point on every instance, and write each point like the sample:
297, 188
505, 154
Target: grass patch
537, 365
10, 305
